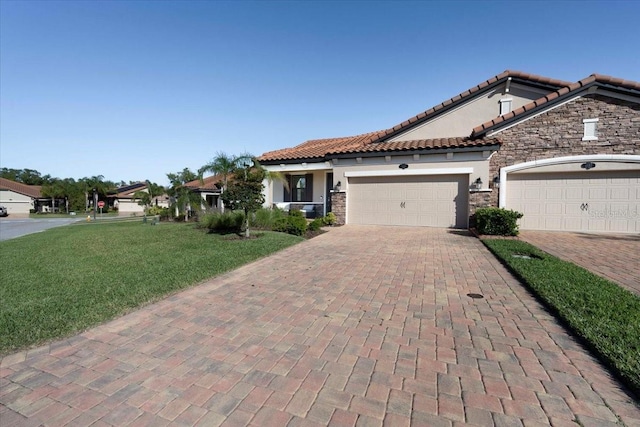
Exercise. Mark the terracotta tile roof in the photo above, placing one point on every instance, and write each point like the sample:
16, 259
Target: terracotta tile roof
207, 184
374, 141
420, 144
34, 191
317, 148
498, 79
561, 93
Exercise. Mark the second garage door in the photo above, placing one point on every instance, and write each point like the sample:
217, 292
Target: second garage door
577, 201
436, 201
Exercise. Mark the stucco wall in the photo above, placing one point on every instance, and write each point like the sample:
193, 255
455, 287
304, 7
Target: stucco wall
460, 121
15, 203
559, 132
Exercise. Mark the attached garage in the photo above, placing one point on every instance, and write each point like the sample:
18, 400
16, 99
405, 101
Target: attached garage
590, 201
419, 200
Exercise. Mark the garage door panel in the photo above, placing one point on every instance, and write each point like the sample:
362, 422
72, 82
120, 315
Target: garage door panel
439, 201
583, 201
620, 193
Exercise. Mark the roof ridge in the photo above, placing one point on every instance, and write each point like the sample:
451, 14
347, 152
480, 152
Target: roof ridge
466, 94
561, 92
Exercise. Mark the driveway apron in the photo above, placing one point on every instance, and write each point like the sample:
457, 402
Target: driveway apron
615, 257
359, 326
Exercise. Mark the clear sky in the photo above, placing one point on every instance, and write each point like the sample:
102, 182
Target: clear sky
133, 90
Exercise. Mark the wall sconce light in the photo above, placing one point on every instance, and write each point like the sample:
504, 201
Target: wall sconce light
588, 165
403, 166
478, 183
496, 182
338, 185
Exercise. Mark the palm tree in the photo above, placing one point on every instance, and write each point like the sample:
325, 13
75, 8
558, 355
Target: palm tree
225, 165
183, 197
147, 197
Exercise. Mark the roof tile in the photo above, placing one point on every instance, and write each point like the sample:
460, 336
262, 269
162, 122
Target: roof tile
34, 191
568, 88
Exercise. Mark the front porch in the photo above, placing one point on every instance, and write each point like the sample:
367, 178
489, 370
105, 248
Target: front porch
303, 187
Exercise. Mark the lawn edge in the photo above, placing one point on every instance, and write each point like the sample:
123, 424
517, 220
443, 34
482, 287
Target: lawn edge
630, 387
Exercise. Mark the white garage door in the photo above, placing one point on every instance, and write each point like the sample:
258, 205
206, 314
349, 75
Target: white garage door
437, 201
578, 201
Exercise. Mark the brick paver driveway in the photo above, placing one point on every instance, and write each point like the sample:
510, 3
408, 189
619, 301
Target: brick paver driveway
613, 256
360, 326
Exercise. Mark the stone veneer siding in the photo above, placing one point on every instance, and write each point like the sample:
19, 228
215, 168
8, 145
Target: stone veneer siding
478, 199
559, 132
339, 206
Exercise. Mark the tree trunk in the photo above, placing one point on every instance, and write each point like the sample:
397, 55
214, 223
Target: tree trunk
246, 230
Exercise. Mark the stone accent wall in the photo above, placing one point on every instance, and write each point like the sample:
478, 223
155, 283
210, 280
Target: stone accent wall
339, 206
478, 199
559, 132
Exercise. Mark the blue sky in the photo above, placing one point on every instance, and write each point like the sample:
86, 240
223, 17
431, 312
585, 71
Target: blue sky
133, 90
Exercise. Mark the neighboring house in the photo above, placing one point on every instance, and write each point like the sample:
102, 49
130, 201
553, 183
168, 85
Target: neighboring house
20, 199
126, 202
567, 155
209, 189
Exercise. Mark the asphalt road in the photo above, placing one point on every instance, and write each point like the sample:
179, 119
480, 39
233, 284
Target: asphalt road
12, 228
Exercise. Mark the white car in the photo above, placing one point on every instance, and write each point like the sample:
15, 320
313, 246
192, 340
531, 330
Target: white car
3, 211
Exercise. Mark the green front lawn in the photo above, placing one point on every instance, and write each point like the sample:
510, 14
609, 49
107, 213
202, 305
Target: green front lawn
602, 313
64, 280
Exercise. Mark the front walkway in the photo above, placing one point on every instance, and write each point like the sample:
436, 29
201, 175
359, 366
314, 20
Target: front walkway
359, 326
613, 256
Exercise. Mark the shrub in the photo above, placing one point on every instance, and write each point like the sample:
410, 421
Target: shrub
295, 223
265, 218
497, 221
163, 213
315, 224
223, 223
329, 219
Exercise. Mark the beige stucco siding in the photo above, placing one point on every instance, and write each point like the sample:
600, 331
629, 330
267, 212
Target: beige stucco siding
15, 203
458, 122
477, 162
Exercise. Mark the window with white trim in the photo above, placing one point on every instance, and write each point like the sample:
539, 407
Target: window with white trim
505, 106
590, 129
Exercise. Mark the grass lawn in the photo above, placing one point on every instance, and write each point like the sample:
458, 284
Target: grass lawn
62, 281
604, 314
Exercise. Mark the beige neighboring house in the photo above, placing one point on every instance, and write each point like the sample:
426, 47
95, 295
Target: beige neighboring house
20, 198
126, 202
565, 154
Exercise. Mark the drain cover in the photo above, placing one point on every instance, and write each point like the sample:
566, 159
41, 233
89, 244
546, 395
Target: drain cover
475, 296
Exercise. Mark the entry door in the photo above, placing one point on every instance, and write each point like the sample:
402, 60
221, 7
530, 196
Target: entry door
329, 187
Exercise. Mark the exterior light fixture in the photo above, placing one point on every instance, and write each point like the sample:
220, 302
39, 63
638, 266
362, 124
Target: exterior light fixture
496, 182
588, 165
403, 166
478, 183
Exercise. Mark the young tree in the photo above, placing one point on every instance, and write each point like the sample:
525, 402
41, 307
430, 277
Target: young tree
225, 165
147, 197
182, 196
245, 191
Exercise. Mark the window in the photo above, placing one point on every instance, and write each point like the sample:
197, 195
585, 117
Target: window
590, 129
505, 106
300, 188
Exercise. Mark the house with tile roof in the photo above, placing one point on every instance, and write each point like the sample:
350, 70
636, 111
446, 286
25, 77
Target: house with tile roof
209, 189
564, 154
20, 199
127, 202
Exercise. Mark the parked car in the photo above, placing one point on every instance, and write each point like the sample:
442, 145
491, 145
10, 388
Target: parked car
3, 211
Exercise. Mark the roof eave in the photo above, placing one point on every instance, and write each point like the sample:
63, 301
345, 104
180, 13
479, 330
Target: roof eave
409, 152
